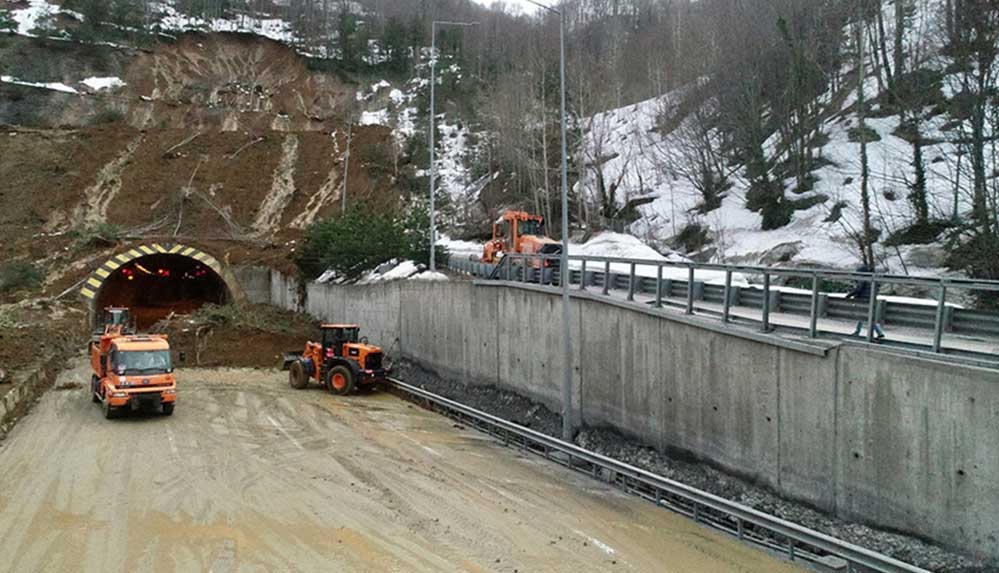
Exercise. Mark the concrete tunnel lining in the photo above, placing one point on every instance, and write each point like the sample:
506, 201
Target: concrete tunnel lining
155, 280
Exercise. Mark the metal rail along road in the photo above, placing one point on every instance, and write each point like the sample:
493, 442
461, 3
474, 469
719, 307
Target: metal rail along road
792, 540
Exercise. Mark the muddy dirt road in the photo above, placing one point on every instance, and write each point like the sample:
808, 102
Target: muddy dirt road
249, 475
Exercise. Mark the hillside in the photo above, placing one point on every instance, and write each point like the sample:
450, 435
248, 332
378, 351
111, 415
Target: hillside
210, 137
749, 152
640, 148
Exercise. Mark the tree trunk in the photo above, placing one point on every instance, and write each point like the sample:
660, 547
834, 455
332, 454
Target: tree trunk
866, 240
918, 196
901, 6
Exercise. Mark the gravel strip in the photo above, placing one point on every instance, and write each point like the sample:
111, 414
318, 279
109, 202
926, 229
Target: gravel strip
518, 409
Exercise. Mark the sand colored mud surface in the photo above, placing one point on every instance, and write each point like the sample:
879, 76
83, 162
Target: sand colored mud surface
249, 475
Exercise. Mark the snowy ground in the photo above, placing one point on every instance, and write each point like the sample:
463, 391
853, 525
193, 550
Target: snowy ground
637, 156
394, 270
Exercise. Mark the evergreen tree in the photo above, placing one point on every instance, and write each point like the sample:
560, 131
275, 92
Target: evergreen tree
7, 23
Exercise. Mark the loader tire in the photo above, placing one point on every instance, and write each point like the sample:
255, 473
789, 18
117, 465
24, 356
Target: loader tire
95, 383
168, 409
340, 380
297, 378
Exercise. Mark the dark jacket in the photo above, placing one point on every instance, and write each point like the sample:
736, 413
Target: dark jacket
862, 290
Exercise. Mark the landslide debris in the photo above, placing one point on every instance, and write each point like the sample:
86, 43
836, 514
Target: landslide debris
236, 335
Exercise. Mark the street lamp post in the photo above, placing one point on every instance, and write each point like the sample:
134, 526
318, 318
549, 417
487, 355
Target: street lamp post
568, 424
433, 133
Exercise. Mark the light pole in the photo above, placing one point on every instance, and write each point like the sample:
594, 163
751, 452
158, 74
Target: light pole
568, 424
433, 133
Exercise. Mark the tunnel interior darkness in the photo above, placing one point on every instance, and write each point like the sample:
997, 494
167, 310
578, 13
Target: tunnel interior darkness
156, 285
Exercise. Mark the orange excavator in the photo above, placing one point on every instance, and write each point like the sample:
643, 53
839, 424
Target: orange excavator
520, 233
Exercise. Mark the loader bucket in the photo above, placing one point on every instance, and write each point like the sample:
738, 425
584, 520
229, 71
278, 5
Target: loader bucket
289, 358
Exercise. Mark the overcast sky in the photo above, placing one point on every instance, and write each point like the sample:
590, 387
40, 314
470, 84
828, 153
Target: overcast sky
522, 5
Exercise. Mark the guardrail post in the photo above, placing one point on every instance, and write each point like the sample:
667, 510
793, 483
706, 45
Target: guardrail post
872, 309
582, 276
631, 283
607, 277
813, 315
659, 286
766, 302
727, 297
690, 289
941, 310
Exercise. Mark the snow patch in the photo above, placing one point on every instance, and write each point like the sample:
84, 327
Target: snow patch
395, 270
97, 84
54, 86
32, 17
380, 117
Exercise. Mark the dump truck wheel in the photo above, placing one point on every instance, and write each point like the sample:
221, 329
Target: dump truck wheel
168, 409
340, 380
95, 382
297, 377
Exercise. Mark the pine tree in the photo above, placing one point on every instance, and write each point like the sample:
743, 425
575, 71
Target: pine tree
7, 23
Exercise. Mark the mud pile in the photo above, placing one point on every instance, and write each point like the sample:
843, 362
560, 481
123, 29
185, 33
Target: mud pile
247, 336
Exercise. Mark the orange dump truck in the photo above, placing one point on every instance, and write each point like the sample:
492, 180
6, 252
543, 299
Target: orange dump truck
132, 372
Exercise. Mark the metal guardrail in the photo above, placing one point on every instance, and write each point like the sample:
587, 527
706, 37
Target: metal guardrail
597, 272
745, 523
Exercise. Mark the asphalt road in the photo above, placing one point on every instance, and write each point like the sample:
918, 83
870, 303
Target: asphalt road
250, 475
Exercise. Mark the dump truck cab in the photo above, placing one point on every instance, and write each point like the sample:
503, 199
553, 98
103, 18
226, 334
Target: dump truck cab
521, 233
342, 360
132, 372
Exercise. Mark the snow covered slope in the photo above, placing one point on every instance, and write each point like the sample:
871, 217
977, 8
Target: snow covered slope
633, 152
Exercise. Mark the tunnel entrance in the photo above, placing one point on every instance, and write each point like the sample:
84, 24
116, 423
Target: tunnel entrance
155, 282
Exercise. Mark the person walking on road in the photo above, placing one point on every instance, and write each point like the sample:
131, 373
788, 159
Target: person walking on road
862, 292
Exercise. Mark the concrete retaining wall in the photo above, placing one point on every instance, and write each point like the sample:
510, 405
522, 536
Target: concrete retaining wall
255, 282
893, 440
24, 389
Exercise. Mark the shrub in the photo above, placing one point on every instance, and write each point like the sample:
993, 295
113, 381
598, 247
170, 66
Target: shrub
101, 235
976, 256
107, 116
361, 239
918, 234
18, 276
692, 238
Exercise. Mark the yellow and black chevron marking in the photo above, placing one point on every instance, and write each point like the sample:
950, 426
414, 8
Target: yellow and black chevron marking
93, 284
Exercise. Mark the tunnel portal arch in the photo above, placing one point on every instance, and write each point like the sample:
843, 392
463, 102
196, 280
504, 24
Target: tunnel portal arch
155, 280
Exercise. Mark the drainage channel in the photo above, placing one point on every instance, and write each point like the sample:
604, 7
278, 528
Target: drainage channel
795, 542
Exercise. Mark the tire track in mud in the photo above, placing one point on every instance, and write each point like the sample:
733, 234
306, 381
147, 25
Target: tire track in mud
282, 188
222, 484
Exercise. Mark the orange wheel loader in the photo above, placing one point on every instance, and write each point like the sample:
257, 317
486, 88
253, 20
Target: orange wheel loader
341, 361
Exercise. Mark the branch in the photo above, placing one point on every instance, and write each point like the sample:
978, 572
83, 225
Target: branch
182, 144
